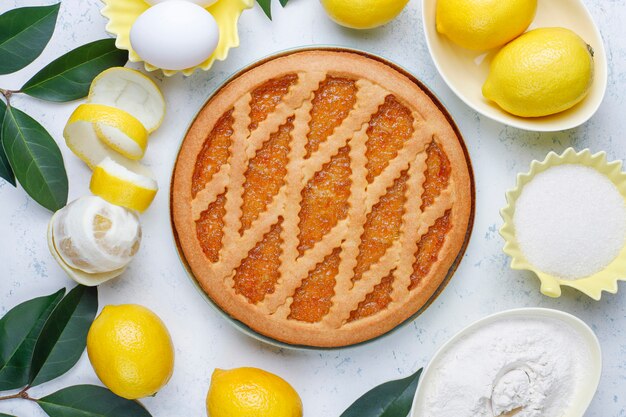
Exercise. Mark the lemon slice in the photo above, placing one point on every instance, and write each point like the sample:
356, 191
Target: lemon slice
77, 275
131, 91
120, 186
82, 139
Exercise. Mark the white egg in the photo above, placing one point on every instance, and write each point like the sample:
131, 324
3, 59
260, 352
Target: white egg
203, 3
175, 35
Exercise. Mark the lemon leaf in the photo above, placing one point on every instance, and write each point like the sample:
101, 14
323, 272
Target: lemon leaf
24, 33
64, 336
391, 399
90, 401
5, 168
35, 159
20, 328
266, 6
68, 78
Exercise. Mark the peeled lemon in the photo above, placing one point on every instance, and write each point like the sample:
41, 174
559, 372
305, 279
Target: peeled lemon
130, 350
543, 72
92, 240
120, 186
363, 14
132, 92
484, 24
95, 236
251, 392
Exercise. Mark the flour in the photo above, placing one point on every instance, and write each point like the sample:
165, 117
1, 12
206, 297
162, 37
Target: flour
525, 367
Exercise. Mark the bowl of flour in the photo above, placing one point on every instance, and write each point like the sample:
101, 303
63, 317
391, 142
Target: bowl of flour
528, 362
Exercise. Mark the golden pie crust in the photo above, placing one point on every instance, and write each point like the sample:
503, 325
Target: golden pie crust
322, 198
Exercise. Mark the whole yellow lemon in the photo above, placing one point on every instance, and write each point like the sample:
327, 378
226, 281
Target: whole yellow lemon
363, 14
484, 24
251, 392
543, 72
131, 350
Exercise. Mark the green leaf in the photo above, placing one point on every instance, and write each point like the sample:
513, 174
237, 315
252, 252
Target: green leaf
69, 77
5, 168
266, 5
64, 337
19, 331
5, 415
90, 401
24, 33
35, 159
391, 399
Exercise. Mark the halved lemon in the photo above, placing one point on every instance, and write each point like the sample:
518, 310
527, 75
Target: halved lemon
118, 185
82, 139
131, 91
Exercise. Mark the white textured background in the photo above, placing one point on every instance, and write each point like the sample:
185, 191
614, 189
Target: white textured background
327, 381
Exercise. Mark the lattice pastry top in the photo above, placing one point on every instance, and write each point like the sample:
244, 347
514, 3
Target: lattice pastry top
321, 198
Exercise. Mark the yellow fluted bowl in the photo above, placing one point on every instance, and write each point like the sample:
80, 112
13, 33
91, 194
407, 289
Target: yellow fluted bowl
123, 13
593, 285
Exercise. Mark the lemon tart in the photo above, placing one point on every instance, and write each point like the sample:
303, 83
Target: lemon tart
322, 198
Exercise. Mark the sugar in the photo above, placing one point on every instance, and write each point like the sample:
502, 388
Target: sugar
570, 221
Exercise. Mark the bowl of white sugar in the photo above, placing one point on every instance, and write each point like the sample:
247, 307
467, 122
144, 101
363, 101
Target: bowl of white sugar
566, 222
529, 362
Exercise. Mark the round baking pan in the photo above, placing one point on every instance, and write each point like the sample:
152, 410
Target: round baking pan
249, 331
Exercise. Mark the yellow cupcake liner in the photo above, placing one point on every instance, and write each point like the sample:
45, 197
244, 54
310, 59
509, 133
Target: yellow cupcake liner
593, 285
123, 13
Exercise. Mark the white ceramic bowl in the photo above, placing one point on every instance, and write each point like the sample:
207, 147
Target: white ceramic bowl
465, 71
588, 336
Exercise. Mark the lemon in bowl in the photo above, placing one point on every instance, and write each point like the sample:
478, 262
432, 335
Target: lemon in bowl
251, 392
543, 72
484, 24
130, 350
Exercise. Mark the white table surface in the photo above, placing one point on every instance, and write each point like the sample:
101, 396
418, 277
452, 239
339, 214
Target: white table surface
327, 381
